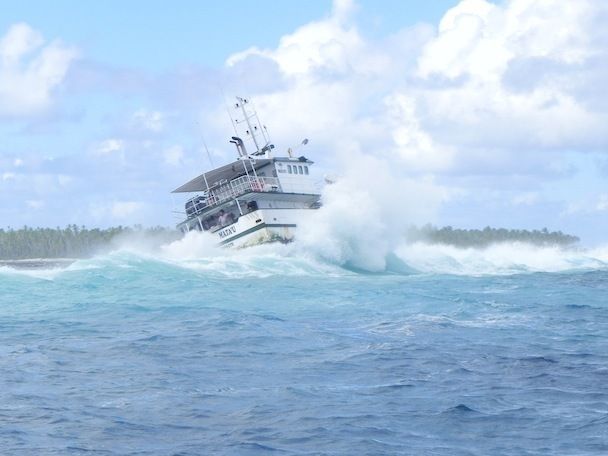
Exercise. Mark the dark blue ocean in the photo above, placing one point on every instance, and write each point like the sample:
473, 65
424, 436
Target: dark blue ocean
277, 350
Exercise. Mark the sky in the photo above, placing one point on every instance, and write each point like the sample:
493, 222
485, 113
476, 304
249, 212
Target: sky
467, 113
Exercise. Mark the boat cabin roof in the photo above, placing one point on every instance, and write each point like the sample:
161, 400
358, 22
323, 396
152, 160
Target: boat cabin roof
221, 175
226, 173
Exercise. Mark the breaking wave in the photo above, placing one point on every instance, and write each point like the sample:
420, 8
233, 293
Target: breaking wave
196, 253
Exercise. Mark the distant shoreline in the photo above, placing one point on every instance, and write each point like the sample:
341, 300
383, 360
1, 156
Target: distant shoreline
38, 263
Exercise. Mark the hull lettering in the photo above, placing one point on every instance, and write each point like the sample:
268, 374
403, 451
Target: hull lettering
227, 232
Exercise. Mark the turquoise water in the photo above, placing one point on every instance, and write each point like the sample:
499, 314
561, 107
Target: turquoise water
281, 350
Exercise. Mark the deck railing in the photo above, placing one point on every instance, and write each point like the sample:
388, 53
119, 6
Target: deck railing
242, 185
233, 189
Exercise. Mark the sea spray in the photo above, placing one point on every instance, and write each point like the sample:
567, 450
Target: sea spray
197, 252
365, 214
316, 255
496, 259
193, 245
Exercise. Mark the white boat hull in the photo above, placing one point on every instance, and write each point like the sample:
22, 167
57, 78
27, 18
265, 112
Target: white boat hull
261, 226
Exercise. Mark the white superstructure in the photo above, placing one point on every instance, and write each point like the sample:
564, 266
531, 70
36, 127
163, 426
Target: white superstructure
257, 198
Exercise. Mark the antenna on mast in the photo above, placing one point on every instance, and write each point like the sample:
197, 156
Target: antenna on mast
208, 156
206, 148
252, 128
228, 110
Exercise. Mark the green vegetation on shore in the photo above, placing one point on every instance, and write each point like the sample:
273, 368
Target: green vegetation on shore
71, 242
80, 242
482, 238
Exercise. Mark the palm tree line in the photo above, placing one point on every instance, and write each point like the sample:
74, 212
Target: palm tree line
81, 242
483, 238
69, 242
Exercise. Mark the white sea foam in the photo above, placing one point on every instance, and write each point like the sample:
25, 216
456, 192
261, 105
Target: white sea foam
365, 214
336, 256
43, 274
504, 258
197, 251
599, 253
192, 246
325, 244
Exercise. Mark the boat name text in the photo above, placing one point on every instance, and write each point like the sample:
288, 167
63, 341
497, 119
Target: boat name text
227, 232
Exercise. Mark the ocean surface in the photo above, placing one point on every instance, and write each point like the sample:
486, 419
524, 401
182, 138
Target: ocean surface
279, 349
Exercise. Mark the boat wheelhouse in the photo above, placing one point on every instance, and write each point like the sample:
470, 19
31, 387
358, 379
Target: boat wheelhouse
255, 199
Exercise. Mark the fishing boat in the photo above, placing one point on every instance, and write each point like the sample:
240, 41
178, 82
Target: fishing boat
255, 199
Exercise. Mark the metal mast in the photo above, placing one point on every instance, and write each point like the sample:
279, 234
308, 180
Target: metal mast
253, 129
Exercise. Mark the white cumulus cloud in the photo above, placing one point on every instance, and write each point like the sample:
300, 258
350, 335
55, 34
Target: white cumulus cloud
516, 74
174, 156
125, 209
511, 76
30, 70
109, 146
149, 120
